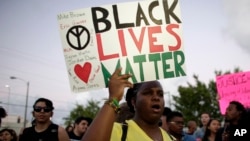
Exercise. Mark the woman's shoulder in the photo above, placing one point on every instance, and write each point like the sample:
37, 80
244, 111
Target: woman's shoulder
166, 136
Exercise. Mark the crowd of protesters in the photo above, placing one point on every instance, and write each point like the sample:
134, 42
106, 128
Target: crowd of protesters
143, 117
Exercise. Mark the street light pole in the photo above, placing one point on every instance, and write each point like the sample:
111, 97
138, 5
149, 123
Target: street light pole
8, 86
169, 98
26, 104
26, 101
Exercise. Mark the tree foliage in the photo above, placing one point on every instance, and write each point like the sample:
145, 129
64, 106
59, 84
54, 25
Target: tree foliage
195, 99
90, 110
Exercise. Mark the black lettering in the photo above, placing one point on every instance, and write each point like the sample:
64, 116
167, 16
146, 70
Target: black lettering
102, 19
140, 16
117, 22
150, 11
170, 11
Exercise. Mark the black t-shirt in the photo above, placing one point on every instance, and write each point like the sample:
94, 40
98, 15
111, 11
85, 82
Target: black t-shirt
73, 137
50, 134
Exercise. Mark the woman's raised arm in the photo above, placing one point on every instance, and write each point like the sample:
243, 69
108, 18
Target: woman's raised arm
101, 127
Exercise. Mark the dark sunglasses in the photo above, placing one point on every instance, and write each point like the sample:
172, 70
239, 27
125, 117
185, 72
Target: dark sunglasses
45, 109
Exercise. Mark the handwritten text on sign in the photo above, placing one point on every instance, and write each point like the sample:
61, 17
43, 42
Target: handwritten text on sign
144, 38
233, 87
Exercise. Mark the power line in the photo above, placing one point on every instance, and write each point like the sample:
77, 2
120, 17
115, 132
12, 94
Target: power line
18, 105
29, 57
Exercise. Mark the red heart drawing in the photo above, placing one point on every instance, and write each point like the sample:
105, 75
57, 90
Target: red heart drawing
83, 72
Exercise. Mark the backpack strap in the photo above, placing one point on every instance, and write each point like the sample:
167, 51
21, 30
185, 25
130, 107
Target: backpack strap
124, 131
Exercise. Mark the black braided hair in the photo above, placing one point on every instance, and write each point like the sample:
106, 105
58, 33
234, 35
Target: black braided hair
131, 93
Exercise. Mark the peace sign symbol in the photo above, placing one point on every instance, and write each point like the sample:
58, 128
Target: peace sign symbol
78, 37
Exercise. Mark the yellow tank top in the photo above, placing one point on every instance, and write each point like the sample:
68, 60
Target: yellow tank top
134, 133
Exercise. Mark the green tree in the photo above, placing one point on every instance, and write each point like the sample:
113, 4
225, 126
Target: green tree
195, 99
90, 110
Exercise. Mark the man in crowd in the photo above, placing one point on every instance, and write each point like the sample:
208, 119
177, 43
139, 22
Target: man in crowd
237, 120
205, 117
3, 114
43, 129
163, 122
192, 126
80, 126
175, 124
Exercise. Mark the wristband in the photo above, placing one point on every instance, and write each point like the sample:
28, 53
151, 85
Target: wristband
113, 102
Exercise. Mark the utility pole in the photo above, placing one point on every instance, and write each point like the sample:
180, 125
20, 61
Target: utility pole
26, 100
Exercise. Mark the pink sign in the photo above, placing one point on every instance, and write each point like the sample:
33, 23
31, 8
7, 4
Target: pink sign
233, 87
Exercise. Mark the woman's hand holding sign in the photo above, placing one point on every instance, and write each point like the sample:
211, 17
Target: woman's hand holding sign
117, 84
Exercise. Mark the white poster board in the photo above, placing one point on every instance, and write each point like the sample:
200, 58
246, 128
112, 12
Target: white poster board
144, 38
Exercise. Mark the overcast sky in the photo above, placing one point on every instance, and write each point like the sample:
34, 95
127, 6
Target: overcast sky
215, 34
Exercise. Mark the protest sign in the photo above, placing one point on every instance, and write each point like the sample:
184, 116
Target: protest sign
233, 87
144, 38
